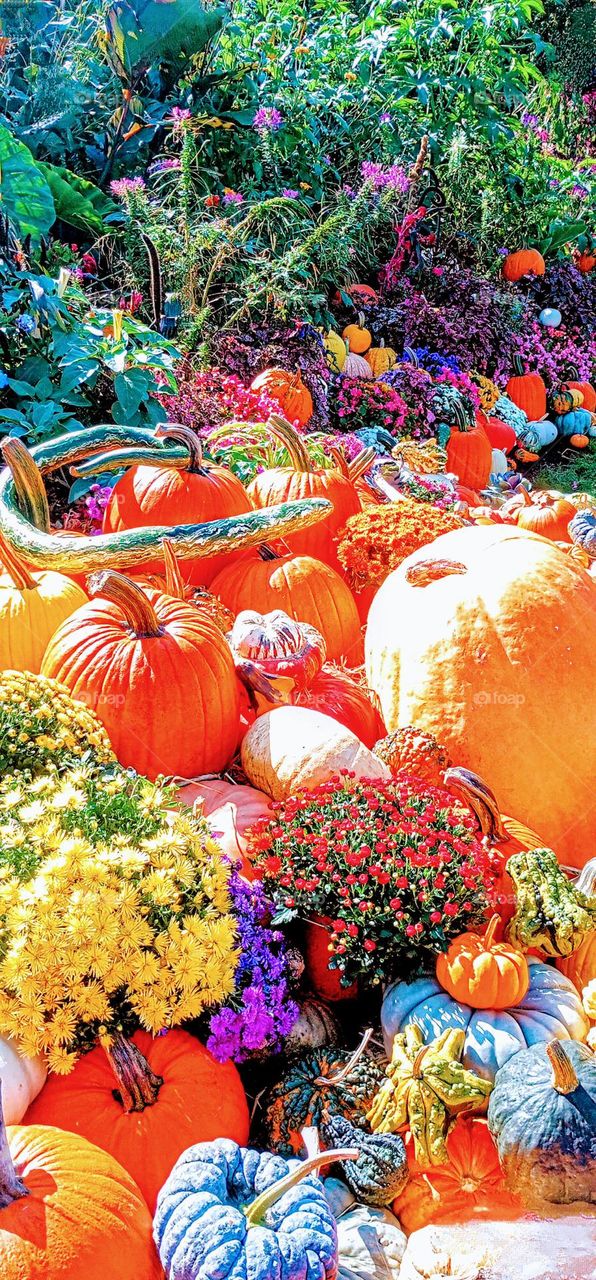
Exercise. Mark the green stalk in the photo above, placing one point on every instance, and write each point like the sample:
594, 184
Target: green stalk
256, 1211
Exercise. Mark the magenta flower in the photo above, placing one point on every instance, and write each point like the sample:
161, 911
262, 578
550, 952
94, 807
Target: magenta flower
160, 166
267, 120
290, 194
233, 197
122, 186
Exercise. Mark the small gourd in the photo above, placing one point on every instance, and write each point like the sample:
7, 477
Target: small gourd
483, 973
381, 1170
317, 1086
583, 531
551, 914
315, 1027
357, 367
370, 1241
357, 336
337, 351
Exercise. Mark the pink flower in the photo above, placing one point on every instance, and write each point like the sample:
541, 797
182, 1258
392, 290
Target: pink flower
123, 186
267, 120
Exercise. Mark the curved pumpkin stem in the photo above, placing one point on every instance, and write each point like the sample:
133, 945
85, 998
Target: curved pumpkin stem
564, 1077
490, 930
418, 1060
256, 1211
15, 568
138, 1086
585, 882
11, 1186
340, 460
411, 357
173, 575
138, 611
28, 482
361, 464
299, 455
427, 571
467, 786
345, 1071
189, 438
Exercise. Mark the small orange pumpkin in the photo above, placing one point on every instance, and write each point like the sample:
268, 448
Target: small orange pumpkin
483, 973
288, 391
586, 262
579, 442
357, 337
470, 1186
548, 516
526, 262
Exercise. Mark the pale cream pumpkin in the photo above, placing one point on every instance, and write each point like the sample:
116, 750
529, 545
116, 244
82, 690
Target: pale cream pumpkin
292, 747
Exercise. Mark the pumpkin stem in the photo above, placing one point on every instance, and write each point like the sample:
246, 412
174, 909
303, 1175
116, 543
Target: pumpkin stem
585, 882
138, 1086
28, 482
299, 455
256, 1211
411, 357
15, 568
189, 438
345, 1071
427, 571
490, 930
173, 575
518, 365
267, 552
467, 786
564, 1077
11, 1186
417, 1063
361, 464
339, 458
139, 613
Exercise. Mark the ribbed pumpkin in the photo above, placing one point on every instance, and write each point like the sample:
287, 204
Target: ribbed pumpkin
357, 367
146, 496
580, 966
485, 637
303, 480
302, 587
524, 262
158, 673
527, 390
32, 607
471, 1185
231, 810
548, 516
336, 350
482, 972
381, 359
316, 1087
288, 391
469, 452
68, 1211
586, 388
146, 1102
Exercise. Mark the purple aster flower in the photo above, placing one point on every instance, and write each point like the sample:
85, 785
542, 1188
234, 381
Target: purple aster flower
579, 191
385, 117
268, 120
290, 194
233, 197
529, 119
121, 186
160, 166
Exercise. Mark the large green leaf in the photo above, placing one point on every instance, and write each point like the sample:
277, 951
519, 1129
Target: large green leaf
25, 196
142, 32
78, 202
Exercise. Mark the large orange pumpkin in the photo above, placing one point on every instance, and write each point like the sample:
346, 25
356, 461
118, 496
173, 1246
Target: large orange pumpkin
471, 1185
68, 1211
288, 391
501, 434
146, 496
302, 587
485, 639
469, 454
528, 391
525, 262
32, 606
548, 516
175, 1093
158, 673
303, 480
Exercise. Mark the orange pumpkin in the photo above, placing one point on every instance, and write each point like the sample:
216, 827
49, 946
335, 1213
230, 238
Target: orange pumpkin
471, 1185
158, 673
528, 391
325, 982
335, 693
484, 639
171, 583
586, 262
303, 480
483, 973
525, 262
302, 587
408, 750
68, 1211
579, 442
548, 516
363, 292
145, 1101
469, 454
146, 496
586, 388
357, 337
230, 810
288, 391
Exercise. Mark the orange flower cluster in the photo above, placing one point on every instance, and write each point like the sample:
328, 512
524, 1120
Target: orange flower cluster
375, 541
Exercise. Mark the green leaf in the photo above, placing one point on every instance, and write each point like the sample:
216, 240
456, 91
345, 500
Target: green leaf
142, 32
131, 388
25, 196
78, 202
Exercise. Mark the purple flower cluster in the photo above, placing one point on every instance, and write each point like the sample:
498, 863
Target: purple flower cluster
415, 389
96, 501
394, 177
125, 186
268, 120
434, 362
552, 352
361, 402
260, 1013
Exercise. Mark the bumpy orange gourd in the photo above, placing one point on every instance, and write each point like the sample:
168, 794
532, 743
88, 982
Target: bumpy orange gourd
302, 587
548, 516
525, 262
201, 491
176, 1095
483, 973
32, 606
158, 673
409, 750
485, 639
470, 1186
68, 1211
288, 391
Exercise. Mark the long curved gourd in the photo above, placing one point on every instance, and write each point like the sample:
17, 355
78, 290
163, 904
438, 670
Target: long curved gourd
24, 522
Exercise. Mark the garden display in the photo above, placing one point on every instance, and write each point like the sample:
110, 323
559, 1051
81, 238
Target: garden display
297, 640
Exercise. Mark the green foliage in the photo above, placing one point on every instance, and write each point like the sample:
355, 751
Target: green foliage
140, 33
25, 195
77, 202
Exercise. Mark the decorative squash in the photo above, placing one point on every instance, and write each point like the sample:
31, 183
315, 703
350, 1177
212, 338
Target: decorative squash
278, 645
336, 349
574, 396
32, 606
551, 914
582, 529
469, 453
527, 390
550, 1007
140, 664
586, 262
335, 693
357, 337
303, 480
580, 966
542, 1116
381, 359
266, 1217
146, 496
524, 262
575, 422
505, 623
315, 1087
579, 442
499, 466
231, 810
483, 973
538, 435
21, 1078
357, 367
587, 390
381, 1170
316, 1027
75, 555
145, 1100
409, 750
292, 747
427, 1085
68, 1211
488, 391
470, 1185
370, 1242
530, 1248
548, 516
288, 391
360, 292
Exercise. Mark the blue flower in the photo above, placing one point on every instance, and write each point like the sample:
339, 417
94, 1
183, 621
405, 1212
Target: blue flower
3, 379
26, 324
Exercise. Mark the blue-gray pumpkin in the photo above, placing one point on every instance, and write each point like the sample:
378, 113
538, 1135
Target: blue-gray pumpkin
583, 531
230, 1211
578, 422
542, 1116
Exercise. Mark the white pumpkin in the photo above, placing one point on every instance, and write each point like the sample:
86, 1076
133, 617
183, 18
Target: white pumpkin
370, 1242
523, 1249
357, 367
293, 747
499, 463
22, 1079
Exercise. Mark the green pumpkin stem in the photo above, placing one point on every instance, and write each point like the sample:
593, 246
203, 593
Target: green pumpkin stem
189, 438
345, 1071
15, 568
467, 786
138, 1086
282, 430
256, 1211
138, 611
32, 498
11, 1186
